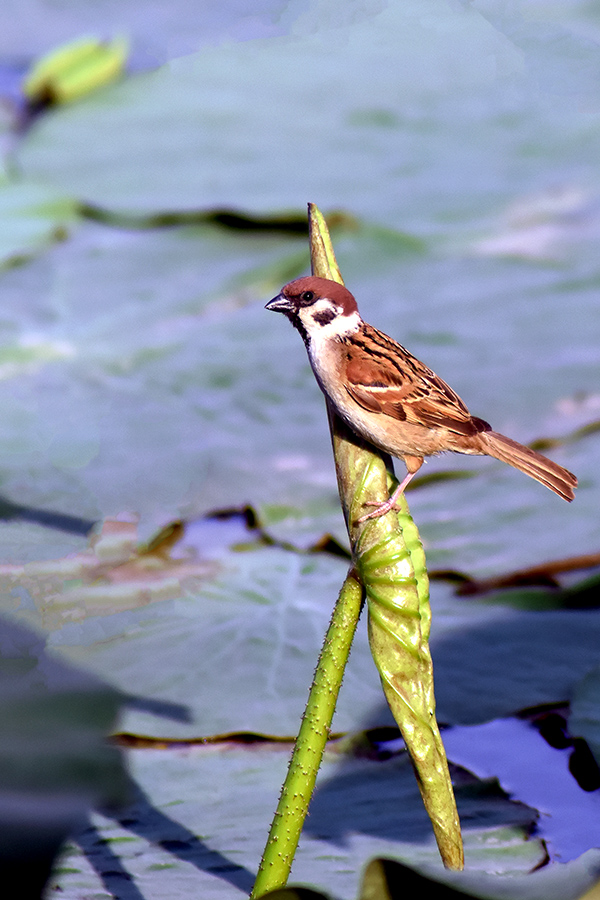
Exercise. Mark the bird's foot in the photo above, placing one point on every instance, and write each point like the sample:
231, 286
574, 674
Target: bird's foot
381, 509
390, 505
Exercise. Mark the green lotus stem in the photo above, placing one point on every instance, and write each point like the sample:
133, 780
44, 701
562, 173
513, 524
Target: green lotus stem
390, 563
311, 741
389, 558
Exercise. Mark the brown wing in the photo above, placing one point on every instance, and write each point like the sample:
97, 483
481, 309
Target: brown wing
383, 377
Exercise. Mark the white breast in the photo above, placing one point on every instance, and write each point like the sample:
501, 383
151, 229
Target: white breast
324, 355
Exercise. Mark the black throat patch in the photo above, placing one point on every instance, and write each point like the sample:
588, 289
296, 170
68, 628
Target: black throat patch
296, 322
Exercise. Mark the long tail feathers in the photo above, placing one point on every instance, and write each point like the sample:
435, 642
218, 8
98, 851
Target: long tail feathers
553, 476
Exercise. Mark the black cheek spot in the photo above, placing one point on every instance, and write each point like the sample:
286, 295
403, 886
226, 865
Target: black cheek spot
325, 317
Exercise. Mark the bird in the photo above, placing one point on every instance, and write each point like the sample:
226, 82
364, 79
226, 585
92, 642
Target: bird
390, 398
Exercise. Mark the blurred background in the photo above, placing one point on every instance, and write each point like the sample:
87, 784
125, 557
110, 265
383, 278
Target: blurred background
453, 148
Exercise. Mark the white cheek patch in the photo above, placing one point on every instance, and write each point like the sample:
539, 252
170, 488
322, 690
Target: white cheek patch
329, 328
324, 311
319, 314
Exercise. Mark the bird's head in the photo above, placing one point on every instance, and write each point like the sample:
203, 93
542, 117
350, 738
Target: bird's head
317, 307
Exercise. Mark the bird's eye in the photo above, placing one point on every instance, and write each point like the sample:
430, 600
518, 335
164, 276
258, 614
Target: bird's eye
307, 297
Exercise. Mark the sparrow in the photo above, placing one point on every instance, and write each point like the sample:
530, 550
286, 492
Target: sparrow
390, 398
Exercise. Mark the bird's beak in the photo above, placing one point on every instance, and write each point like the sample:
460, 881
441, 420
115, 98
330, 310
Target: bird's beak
280, 303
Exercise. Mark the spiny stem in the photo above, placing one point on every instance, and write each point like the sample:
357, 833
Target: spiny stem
310, 744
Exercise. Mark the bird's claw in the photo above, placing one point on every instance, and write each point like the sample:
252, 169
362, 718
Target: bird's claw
381, 509
389, 505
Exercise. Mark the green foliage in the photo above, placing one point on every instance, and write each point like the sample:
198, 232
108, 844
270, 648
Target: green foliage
74, 70
32, 217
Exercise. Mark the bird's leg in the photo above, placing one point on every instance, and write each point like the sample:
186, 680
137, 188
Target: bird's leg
413, 464
388, 505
